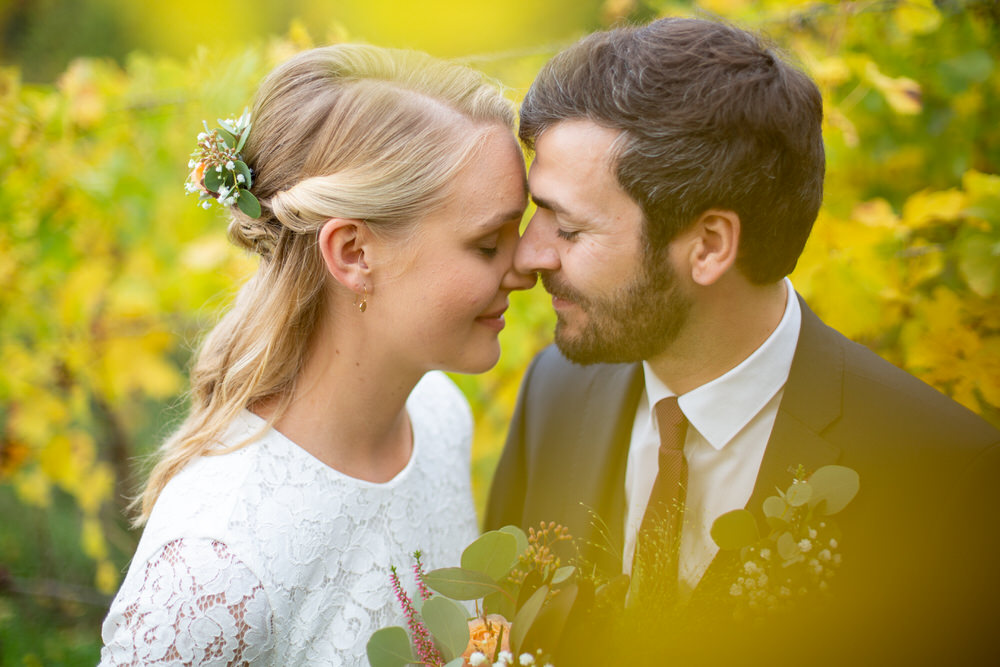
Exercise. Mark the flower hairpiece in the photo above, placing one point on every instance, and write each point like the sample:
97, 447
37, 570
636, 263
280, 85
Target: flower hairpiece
218, 171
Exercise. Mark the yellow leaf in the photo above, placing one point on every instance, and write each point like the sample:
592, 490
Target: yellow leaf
206, 254
37, 418
87, 106
987, 364
82, 291
92, 539
830, 71
923, 262
724, 7
902, 94
927, 206
57, 460
977, 184
139, 364
917, 17
875, 213
836, 119
298, 35
95, 487
107, 577
940, 346
33, 488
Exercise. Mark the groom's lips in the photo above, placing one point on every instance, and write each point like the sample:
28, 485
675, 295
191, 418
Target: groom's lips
560, 302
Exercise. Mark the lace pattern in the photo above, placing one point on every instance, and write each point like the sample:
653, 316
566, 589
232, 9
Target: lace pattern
196, 604
299, 553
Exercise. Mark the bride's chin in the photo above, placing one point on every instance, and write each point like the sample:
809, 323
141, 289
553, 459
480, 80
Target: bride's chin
483, 360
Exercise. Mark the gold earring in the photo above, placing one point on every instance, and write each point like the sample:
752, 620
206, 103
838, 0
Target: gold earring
363, 306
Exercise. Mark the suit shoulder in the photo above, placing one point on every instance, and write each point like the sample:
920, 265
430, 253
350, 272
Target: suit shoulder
552, 367
872, 378
551, 376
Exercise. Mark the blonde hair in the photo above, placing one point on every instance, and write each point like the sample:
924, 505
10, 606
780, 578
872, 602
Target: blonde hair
346, 131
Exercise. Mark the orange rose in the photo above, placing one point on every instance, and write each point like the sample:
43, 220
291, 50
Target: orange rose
483, 636
197, 175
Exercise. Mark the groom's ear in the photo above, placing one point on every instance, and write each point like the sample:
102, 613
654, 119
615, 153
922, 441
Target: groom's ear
712, 245
343, 243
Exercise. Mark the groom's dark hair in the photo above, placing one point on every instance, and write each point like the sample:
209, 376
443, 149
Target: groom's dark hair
710, 117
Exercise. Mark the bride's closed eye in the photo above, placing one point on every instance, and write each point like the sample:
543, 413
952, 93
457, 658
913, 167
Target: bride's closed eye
489, 245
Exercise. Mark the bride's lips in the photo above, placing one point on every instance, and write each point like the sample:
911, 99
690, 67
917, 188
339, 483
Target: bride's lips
493, 320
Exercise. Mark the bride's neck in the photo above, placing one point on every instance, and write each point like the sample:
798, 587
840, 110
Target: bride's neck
348, 407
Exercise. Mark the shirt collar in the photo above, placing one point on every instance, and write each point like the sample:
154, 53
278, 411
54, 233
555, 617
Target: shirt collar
720, 409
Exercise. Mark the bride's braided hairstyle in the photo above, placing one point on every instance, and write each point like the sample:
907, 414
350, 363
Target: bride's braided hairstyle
346, 131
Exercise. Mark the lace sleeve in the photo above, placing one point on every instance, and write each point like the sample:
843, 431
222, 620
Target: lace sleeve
195, 604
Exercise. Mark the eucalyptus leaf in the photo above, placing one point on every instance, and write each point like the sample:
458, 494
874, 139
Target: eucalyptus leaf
562, 574
799, 494
979, 262
774, 507
227, 137
493, 553
776, 524
525, 617
390, 647
498, 603
460, 584
735, 530
837, 485
213, 180
787, 548
242, 141
457, 662
532, 581
226, 125
551, 619
448, 621
241, 168
248, 203
522, 539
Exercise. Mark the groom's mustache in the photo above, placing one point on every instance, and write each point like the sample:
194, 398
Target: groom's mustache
557, 288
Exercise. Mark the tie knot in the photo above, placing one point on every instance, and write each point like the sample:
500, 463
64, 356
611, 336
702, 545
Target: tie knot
671, 422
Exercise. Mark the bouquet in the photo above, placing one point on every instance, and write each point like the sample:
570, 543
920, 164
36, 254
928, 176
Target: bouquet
505, 574
582, 616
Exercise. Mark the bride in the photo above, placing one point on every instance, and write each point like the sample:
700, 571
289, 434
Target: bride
320, 449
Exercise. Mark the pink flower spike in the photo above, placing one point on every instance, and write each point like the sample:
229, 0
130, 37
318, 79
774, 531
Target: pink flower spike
418, 573
421, 637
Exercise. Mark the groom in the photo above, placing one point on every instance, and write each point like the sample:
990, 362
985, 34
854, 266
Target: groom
678, 171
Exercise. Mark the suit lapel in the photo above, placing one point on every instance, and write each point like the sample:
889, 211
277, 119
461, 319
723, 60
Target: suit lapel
811, 401
608, 412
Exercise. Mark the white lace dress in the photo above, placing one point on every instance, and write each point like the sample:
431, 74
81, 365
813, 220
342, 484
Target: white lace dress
267, 556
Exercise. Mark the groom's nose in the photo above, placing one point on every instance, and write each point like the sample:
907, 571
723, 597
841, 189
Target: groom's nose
535, 252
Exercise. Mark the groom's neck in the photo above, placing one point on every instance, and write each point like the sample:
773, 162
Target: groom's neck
728, 321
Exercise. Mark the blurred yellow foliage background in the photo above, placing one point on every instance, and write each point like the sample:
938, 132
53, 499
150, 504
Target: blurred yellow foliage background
109, 275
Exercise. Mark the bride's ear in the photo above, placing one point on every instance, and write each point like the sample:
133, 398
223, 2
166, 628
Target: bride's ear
343, 242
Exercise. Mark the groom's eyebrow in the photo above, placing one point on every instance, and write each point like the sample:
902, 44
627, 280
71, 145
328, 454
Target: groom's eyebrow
548, 205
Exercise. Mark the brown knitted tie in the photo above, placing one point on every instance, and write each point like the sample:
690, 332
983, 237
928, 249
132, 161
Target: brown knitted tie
666, 501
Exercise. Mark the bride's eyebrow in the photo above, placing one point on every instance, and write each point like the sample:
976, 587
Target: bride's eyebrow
502, 218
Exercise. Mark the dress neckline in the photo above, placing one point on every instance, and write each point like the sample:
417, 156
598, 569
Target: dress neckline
271, 435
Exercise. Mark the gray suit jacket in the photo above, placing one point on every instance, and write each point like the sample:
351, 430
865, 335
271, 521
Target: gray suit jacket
920, 538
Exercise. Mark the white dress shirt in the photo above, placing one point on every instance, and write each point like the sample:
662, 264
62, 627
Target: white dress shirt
729, 423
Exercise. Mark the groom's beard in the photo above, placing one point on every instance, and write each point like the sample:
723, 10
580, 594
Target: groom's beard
638, 321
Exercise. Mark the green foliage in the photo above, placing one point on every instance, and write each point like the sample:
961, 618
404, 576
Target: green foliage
447, 621
390, 647
109, 274
493, 554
